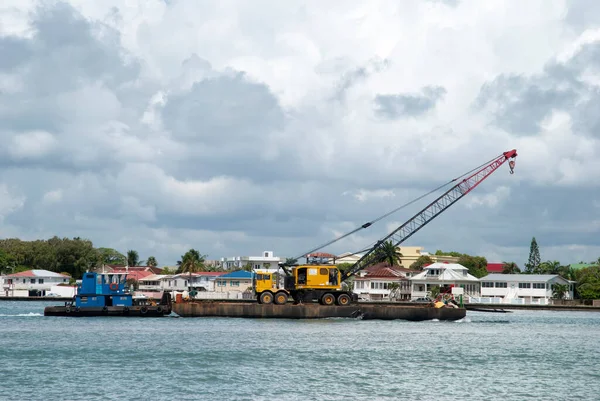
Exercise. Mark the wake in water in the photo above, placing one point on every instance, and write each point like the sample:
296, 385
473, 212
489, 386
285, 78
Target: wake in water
30, 314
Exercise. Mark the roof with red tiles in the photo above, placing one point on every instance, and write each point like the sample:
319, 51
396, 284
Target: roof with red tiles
38, 273
138, 274
384, 270
153, 269
495, 267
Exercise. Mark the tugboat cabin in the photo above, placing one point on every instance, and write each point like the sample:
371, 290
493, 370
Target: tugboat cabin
100, 290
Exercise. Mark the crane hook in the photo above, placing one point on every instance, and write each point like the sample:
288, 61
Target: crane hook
511, 164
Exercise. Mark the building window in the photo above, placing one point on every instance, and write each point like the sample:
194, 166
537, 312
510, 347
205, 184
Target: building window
41, 281
487, 284
501, 285
235, 283
524, 285
32, 281
539, 286
221, 283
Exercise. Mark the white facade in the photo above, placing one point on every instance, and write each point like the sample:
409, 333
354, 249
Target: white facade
265, 261
444, 274
379, 284
31, 282
521, 288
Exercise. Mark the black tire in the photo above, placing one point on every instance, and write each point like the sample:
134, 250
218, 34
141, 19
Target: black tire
266, 298
343, 299
281, 298
104, 309
159, 310
68, 309
143, 310
328, 299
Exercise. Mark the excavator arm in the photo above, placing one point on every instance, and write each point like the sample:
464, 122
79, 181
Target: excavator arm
431, 211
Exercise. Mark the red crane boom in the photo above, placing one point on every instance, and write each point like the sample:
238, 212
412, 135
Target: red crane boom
433, 210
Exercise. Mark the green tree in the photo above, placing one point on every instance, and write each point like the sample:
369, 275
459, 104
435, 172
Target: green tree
290, 261
548, 267
588, 282
167, 270
559, 291
151, 261
389, 253
533, 263
477, 265
420, 262
510, 268
191, 262
247, 267
111, 256
133, 258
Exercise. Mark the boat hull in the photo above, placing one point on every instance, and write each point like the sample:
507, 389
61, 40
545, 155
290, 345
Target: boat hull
131, 311
316, 311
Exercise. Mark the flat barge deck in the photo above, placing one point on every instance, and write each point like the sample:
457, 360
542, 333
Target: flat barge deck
316, 311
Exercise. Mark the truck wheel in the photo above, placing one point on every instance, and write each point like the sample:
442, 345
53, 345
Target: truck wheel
281, 298
328, 299
266, 298
343, 299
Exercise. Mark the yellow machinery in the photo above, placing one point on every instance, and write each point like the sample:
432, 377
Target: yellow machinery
305, 283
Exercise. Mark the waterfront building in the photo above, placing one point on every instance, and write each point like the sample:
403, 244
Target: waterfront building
267, 261
382, 282
34, 283
444, 275
521, 288
237, 281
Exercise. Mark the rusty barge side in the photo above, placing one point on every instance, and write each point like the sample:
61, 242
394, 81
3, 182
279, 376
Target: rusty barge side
316, 311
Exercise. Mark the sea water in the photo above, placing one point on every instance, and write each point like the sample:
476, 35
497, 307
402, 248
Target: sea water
536, 355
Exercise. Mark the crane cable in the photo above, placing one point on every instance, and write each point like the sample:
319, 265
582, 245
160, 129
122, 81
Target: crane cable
370, 223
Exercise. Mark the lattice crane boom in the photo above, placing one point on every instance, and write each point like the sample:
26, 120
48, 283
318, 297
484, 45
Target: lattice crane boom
433, 210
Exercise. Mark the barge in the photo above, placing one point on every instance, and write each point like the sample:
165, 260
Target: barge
106, 294
364, 311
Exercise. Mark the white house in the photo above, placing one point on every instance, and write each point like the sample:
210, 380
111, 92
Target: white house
444, 275
32, 283
382, 282
265, 261
521, 288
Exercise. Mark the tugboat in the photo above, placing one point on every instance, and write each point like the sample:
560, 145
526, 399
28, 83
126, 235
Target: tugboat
106, 294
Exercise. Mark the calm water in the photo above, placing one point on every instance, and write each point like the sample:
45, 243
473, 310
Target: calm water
523, 355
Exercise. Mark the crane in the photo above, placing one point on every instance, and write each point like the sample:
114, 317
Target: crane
323, 283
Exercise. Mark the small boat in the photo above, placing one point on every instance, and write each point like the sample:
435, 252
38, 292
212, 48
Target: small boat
106, 294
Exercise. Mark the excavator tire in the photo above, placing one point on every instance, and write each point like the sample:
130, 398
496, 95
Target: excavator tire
328, 299
343, 299
266, 298
281, 298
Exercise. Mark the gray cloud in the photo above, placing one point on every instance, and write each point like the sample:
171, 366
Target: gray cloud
582, 14
225, 108
408, 105
519, 103
356, 75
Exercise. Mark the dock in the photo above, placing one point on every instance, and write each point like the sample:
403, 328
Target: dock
362, 311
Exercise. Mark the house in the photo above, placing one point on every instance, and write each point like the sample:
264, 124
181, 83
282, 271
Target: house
238, 281
444, 275
32, 283
348, 257
265, 261
383, 282
521, 288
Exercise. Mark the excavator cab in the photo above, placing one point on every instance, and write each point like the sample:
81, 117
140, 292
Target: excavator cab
314, 277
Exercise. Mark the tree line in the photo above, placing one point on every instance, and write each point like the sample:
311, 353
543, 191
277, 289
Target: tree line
71, 256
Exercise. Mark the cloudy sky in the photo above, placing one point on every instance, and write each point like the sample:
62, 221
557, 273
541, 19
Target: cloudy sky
235, 127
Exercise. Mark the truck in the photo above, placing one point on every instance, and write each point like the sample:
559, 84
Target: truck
304, 283
326, 284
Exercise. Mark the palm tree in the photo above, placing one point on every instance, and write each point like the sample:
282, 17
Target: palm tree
549, 267
389, 253
151, 261
132, 258
191, 262
510, 268
559, 291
